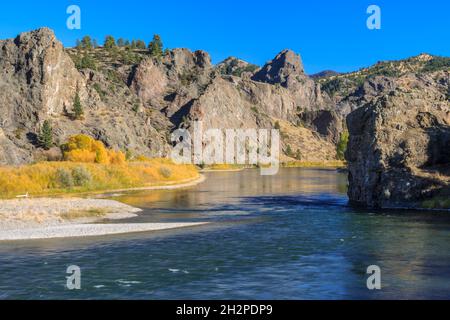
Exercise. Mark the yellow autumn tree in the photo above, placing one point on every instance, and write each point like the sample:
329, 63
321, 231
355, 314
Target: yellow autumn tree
82, 148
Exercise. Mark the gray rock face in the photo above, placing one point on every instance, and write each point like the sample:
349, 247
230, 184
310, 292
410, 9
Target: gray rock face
170, 85
399, 144
135, 105
43, 75
236, 67
326, 122
370, 90
194, 91
38, 81
282, 70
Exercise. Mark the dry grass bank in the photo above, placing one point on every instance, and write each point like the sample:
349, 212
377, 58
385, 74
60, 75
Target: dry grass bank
50, 178
315, 164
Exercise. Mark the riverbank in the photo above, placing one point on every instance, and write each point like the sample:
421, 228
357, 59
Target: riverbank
315, 164
88, 230
166, 186
62, 217
45, 218
25, 214
62, 178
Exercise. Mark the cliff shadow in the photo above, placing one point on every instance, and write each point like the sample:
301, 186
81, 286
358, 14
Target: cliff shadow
178, 117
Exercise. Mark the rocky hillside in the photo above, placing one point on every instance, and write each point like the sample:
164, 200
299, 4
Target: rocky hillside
39, 80
350, 91
132, 101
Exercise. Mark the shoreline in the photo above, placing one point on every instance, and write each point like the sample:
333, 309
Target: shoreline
65, 216
222, 170
169, 186
89, 230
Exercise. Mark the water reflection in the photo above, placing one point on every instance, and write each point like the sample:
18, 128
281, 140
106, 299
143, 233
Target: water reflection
230, 187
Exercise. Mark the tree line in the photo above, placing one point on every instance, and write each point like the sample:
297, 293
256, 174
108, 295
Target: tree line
155, 46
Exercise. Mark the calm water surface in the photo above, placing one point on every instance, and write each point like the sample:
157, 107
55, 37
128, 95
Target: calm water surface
290, 236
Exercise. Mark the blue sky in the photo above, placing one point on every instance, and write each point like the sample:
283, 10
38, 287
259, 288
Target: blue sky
328, 34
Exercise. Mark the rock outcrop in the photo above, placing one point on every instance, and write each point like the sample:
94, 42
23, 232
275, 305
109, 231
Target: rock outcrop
286, 70
39, 80
399, 148
236, 67
132, 101
283, 70
186, 90
43, 76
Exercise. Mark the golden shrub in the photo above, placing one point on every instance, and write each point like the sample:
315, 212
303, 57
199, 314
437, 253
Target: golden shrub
82, 148
80, 155
117, 157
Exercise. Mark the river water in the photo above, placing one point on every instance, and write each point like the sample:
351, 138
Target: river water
289, 236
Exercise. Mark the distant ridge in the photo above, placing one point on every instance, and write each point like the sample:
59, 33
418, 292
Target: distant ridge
324, 74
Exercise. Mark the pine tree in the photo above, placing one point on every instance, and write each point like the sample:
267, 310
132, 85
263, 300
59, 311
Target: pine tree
86, 42
109, 42
120, 42
289, 151
156, 46
140, 44
77, 107
45, 137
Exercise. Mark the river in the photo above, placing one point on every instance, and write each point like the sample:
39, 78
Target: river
289, 236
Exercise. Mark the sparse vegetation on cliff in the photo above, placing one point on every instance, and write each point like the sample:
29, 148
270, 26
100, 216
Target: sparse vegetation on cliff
342, 145
345, 84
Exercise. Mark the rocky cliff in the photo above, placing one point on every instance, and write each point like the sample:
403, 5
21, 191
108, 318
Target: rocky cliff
186, 87
133, 101
399, 148
39, 80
